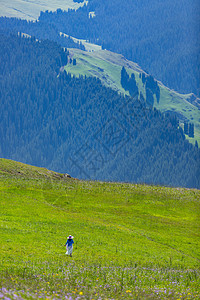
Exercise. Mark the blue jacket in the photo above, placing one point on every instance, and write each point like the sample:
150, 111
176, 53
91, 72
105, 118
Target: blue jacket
69, 242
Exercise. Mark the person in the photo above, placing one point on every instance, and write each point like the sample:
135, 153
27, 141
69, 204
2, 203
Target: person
69, 245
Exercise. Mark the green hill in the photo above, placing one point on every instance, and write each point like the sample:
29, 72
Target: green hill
107, 67
11, 168
131, 241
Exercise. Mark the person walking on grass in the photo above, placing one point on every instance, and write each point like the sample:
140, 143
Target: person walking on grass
69, 245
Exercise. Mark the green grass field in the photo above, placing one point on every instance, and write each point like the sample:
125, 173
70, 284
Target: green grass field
131, 241
107, 67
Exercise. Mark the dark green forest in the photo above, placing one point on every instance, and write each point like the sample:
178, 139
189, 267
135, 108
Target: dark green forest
77, 125
161, 36
41, 31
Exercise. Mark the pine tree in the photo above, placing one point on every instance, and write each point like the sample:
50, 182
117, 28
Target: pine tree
132, 86
149, 97
143, 78
185, 127
124, 78
158, 94
191, 130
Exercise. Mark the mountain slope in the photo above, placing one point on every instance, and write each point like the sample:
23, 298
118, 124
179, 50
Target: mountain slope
49, 118
107, 66
162, 36
130, 240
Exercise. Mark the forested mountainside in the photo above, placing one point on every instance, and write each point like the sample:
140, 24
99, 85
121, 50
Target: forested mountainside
162, 36
36, 30
49, 118
128, 78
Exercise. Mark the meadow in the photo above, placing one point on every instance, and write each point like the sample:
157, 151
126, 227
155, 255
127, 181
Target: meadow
131, 241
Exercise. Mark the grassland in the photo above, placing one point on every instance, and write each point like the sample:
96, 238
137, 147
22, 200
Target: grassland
30, 10
107, 66
131, 241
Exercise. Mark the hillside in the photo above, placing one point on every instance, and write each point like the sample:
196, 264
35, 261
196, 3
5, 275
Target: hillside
12, 168
171, 59
161, 36
107, 66
51, 119
131, 241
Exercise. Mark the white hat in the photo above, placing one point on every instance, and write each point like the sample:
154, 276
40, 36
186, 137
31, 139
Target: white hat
70, 237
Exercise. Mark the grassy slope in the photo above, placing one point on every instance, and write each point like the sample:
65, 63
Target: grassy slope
130, 240
30, 10
107, 66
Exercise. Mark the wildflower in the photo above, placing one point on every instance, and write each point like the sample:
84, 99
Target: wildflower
128, 291
81, 293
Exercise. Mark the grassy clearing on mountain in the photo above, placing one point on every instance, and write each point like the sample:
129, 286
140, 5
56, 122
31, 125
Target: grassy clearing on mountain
90, 65
131, 241
107, 67
177, 103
